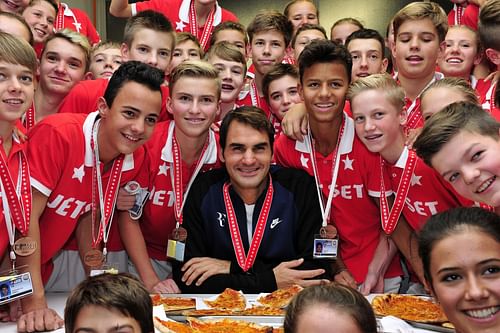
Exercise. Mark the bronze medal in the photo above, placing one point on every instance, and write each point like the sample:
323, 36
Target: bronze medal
93, 258
179, 234
25, 246
328, 231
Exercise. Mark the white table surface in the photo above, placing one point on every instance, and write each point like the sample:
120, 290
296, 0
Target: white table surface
57, 302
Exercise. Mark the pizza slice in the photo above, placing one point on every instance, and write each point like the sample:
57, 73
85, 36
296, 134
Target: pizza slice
227, 326
281, 297
229, 299
408, 307
207, 312
174, 303
262, 311
169, 326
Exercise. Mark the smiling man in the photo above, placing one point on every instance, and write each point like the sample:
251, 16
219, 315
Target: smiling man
250, 226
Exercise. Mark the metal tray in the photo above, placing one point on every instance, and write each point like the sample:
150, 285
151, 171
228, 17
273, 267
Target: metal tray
431, 327
275, 321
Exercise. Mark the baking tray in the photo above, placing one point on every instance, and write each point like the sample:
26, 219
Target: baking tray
275, 321
431, 327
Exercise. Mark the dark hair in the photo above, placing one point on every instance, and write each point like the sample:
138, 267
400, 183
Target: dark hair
249, 115
228, 25
454, 221
22, 21
445, 124
305, 27
489, 24
367, 34
133, 71
147, 19
324, 51
271, 20
334, 296
121, 292
277, 72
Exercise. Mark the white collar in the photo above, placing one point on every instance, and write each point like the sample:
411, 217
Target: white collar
346, 140
166, 151
401, 162
128, 162
184, 12
67, 10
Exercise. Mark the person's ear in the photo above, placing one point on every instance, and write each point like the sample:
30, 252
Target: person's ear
493, 55
221, 155
125, 52
102, 107
89, 76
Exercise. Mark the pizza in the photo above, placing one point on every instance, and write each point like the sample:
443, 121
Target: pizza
229, 299
227, 325
262, 311
408, 307
171, 326
174, 303
207, 312
281, 297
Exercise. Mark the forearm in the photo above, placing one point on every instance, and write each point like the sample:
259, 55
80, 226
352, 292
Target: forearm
120, 8
382, 258
135, 245
406, 241
83, 235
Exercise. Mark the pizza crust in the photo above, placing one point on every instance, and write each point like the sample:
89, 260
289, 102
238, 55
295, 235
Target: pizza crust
408, 307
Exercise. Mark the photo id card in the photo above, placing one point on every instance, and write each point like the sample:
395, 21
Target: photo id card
140, 199
111, 269
175, 250
14, 287
325, 248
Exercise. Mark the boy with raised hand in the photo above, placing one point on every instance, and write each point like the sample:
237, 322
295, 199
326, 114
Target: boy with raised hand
18, 66
178, 150
461, 142
199, 17
419, 32
340, 163
270, 33
416, 191
148, 37
64, 62
76, 181
109, 303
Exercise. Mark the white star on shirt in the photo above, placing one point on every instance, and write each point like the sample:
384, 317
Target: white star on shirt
78, 26
179, 26
78, 173
348, 163
303, 161
163, 169
415, 180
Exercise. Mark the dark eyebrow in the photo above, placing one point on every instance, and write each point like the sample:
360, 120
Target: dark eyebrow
481, 263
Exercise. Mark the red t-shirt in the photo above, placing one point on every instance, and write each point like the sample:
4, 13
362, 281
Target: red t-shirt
63, 173
354, 212
251, 98
158, 219
12, 160
77, 20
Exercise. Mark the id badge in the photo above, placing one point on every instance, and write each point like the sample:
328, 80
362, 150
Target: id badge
15, 286
325, 248
175, 250
141, 195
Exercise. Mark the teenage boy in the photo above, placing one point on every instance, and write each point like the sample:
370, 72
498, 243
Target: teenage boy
178, 150
91, 156
231, 32
14, 7
195, 16
18, 66
109, 303
366, 47
270, 33
304, 35
231, 65
417, 191
340, 163
461, 142
64, 62
280, 86
40, 16
77, 20
105, 58
148, 37
419, 33
250, 227
16, 25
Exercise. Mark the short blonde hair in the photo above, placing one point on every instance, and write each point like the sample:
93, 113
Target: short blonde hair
383, 82
228, 52
419, 11
17, 51
181, 37
74, 38
454, 83
195, 69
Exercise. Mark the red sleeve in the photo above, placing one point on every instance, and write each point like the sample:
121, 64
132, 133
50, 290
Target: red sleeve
83, 97
88, 28
471, 16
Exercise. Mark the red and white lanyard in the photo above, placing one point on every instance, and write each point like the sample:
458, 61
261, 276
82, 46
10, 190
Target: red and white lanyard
29, 117
61, 13
246, 261
254, 95
458, 11
107, 200
176, 177
489, 103
16, 200
326, 208
390, 217
207, 29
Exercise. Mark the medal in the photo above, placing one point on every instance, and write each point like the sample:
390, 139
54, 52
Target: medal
179, 234
328, 231
93, 258
25, 246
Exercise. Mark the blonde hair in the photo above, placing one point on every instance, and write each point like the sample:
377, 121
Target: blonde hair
104, 46
383, 82
454, 83
181, 37
228, 52
74, 38
17, 51
195, 69
422, 10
